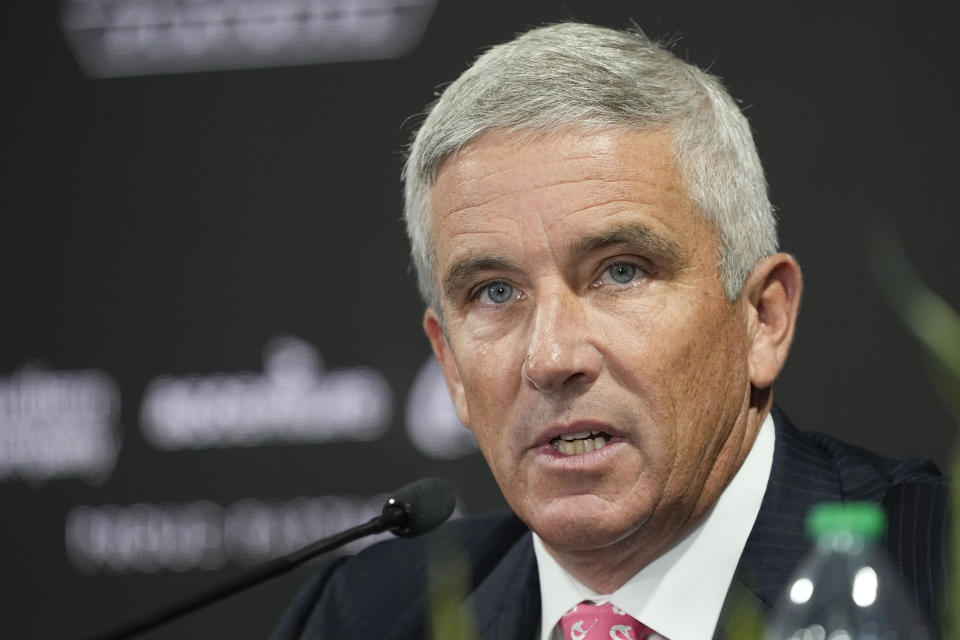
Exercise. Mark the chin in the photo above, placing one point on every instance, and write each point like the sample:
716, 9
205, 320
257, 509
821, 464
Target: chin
571, 530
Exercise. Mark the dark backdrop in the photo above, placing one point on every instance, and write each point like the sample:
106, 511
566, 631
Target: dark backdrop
172, 225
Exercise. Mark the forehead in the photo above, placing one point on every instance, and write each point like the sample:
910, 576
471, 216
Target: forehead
505, 186
502, 162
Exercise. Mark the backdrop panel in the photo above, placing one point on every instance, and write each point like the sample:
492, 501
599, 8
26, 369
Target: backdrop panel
210, 349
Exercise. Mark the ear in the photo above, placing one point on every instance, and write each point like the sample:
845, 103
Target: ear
772, 293
444, 354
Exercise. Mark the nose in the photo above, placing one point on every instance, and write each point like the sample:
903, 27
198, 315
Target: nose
560, 355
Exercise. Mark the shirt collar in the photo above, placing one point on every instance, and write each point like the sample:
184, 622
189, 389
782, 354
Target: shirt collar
680, 594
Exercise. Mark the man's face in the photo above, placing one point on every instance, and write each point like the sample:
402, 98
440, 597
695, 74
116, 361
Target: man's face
589, 345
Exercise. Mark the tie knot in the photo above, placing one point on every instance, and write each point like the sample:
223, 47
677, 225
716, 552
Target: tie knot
603, 622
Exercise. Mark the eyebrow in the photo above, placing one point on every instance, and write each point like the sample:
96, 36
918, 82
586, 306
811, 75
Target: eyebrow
639, 237
462, 271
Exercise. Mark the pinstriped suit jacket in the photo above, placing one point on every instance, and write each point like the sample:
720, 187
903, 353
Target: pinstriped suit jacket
384, 592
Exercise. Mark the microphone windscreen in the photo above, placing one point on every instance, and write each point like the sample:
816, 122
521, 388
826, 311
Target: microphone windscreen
427, 503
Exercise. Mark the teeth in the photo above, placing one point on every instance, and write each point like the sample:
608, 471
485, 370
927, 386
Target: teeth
577, 436
585, 445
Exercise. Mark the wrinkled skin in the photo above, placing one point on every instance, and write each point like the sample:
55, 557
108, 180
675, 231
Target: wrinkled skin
581, 292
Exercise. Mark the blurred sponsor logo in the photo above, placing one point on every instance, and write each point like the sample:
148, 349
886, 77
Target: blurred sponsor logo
136, 37
432, 422
203, 535
56, 424
293, 401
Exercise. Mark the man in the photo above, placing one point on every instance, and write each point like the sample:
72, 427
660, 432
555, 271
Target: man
592, 236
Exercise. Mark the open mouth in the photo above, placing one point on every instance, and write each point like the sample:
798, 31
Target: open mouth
572, 444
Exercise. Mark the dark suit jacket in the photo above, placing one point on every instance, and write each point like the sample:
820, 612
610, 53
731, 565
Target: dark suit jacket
477, 577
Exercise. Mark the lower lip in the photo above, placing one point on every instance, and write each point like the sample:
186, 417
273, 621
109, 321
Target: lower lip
546, 454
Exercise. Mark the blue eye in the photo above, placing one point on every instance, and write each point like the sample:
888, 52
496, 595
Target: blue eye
622, 272
499, 292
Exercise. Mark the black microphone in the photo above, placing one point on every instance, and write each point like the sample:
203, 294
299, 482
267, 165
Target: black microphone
424, 505
410, 511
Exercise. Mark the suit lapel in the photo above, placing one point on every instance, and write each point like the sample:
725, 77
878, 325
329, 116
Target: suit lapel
800, 477
506, 605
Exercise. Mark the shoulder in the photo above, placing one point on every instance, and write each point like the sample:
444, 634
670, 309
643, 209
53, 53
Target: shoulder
859, 474
394, 578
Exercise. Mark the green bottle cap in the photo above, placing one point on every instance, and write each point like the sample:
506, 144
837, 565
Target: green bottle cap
859, 518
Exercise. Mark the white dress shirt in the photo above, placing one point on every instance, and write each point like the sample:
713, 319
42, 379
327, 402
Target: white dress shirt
680, 594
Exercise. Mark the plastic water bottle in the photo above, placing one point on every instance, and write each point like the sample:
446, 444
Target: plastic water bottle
845, 589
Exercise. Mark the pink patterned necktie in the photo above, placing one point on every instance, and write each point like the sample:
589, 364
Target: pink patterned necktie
602, 622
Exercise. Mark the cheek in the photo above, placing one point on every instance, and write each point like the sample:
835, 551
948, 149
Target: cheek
489, 386
652, 358
705, 350
688, 365
714, 390
489, 357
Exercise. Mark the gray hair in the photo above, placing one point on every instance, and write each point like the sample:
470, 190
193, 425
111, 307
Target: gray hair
592, 77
